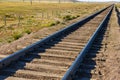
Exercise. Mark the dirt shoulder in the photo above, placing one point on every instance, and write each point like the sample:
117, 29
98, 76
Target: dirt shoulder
113, 50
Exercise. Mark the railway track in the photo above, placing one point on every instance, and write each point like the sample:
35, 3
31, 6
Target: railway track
92, 67
50, 58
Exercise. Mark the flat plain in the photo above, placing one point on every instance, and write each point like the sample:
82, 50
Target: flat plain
19, 19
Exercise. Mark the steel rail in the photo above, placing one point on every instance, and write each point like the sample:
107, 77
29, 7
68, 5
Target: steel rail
70, 73
15, 56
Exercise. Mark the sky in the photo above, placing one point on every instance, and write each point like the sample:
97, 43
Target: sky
99, 0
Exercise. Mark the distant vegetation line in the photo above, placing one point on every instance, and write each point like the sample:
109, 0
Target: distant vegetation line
38, 0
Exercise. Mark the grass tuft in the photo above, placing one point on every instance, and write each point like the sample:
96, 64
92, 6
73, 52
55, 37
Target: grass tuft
17, 35
69, 17
28, 31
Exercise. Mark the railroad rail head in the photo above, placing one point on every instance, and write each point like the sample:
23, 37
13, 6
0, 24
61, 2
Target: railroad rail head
70, 73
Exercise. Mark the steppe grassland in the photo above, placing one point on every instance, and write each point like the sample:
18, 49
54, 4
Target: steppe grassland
18, 19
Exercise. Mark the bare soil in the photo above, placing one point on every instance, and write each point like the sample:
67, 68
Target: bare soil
113, 50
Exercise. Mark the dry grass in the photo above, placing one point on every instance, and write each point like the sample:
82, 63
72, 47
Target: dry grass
39, 15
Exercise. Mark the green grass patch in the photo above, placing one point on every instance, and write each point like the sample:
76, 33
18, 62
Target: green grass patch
17, 35
28, 31
69, 17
